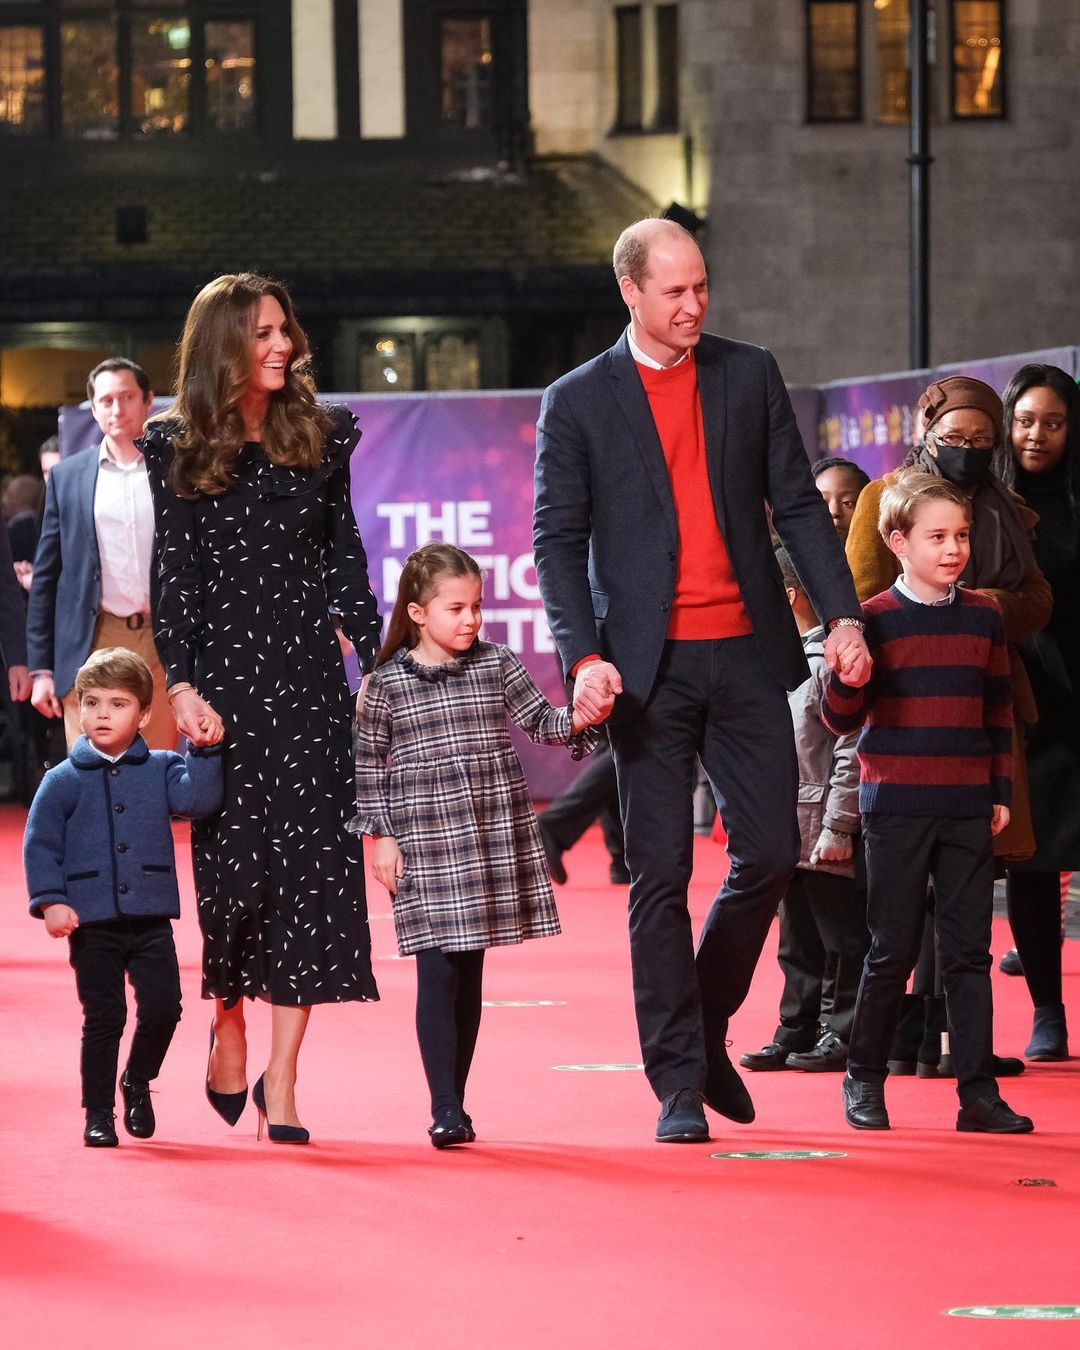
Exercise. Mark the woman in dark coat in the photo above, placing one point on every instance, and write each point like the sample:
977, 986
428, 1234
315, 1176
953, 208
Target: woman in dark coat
1040, 460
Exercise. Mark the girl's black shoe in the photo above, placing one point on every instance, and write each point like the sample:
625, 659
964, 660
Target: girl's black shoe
279, 1134
228, 1105
451, 1126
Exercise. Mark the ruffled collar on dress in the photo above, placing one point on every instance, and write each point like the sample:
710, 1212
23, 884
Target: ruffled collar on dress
404, 657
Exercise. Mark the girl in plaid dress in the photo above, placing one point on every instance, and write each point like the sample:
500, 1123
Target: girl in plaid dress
440, 789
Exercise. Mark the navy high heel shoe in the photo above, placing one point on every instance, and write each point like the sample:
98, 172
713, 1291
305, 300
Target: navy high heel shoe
279, 1134
228, 1105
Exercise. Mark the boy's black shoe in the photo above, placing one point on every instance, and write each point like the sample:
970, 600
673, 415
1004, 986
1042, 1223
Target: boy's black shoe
99, 1132
990, 1115
682, 1121
769, 1057
864, 1105
138, 1110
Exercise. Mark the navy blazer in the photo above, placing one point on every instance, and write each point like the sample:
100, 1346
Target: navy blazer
65, 594
605, 535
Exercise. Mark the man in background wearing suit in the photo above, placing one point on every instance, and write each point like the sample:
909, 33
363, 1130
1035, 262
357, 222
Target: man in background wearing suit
655, 464
93, 567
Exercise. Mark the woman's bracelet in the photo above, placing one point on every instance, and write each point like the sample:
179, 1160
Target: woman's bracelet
175, 689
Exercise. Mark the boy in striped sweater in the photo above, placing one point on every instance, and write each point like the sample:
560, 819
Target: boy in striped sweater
936, 765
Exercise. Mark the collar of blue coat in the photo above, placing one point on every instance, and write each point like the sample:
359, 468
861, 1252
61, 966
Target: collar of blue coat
84, 756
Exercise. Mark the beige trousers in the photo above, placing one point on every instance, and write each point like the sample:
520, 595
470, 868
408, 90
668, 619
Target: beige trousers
109, 631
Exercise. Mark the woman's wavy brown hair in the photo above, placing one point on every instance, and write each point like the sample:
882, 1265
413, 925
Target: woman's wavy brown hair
213, 367
424, 569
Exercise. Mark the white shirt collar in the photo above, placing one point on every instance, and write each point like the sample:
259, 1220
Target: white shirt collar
105, 458
643, 359
906, 590
113, 759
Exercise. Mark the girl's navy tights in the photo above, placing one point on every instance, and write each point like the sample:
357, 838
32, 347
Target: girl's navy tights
448, 1007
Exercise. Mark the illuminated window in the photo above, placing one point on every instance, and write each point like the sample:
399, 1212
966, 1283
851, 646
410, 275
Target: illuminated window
160, 76
832, 61
136, 69
977, 83
89, 80
467, 72
407, 354
894, 75
22, 81
388, 364
230, 76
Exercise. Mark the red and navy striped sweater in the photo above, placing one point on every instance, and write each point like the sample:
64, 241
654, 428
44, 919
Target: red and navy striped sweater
937, 739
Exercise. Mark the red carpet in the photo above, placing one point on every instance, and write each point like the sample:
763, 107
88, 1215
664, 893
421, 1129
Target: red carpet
563, 1227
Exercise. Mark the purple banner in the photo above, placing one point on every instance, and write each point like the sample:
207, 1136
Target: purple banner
459, 467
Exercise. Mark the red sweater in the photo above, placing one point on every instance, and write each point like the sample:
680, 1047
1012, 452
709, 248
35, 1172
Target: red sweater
707, 603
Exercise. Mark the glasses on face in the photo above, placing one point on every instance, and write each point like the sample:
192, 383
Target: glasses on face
955, 441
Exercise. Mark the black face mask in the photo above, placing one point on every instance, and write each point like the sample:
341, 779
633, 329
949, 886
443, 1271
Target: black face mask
962, 465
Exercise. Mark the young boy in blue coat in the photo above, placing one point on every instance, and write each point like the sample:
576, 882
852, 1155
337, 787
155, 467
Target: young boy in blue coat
100, 870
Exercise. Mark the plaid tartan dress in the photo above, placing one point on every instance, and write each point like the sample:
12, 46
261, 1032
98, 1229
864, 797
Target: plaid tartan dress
436, 769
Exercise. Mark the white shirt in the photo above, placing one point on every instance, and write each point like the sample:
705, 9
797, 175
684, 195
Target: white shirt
644, 359
124, 522
904, 589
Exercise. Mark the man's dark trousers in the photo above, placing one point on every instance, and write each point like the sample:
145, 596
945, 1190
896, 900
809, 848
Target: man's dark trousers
902, 853
101, 954
715, 699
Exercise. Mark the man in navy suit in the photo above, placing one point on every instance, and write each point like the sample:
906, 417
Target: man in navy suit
656, 464
93, 572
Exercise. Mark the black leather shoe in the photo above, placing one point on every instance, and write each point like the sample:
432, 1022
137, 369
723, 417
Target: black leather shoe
138, 1109
451, 1126
828, 1056
619, 874
864, 1105
726, 1092
990, 1115
769, 1057
100, 1132
682, 1121
1001, 1066
553, 854
1010, 963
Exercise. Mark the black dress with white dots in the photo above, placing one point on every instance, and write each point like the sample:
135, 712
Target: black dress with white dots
248, 580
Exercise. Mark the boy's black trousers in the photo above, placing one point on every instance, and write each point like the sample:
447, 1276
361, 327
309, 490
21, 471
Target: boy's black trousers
101, 955
902, 854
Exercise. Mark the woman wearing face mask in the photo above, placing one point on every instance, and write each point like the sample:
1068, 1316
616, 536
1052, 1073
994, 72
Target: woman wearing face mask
1041, 462
962, 421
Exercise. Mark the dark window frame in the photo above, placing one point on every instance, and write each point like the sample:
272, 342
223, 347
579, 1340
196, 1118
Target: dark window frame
271, 26
1001, 116
624, 118
668, 110
811, 117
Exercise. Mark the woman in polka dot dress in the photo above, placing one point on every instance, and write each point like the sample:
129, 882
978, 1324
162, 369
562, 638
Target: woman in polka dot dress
262, 584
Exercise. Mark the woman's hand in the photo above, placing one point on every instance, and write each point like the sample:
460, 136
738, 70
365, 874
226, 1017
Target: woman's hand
196, 719
387, 863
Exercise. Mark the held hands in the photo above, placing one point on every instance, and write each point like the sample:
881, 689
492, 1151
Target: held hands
196, 719
19, 683
43, 697
387, 863
595, 688
999, 819
60, 920
831, 846
846, 652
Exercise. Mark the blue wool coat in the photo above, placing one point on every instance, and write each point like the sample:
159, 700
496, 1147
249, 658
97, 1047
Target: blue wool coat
98, 836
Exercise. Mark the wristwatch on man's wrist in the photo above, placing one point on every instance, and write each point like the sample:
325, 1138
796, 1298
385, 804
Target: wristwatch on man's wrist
847, 622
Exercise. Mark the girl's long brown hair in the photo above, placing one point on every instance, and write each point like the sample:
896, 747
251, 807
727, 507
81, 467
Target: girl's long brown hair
214, 364
420, 577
